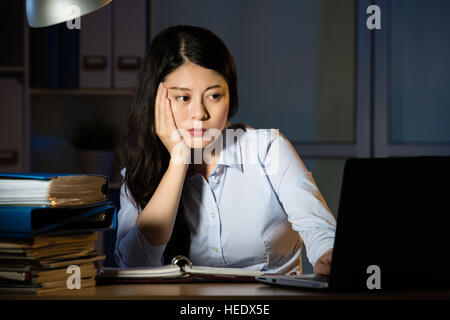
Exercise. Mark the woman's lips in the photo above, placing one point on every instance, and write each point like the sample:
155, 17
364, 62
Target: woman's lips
197, 132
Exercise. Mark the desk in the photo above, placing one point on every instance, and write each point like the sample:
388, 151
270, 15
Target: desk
219, 291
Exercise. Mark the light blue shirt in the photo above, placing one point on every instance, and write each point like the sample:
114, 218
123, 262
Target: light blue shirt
260, 205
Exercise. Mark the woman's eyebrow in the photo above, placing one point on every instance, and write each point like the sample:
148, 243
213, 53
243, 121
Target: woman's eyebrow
179, 88
187, 89
214, 86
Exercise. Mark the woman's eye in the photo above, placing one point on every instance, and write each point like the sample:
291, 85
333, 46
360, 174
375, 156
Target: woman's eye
182, 98
215, 96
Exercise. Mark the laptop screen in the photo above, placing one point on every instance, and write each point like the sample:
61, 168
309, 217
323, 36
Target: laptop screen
394, 214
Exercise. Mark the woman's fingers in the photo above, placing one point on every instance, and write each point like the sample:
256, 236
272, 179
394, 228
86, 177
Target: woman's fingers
158, 108
161, 106
165, 125
170, 118
167, 108
164, 107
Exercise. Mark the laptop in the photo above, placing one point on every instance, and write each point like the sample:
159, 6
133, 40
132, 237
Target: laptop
393, 228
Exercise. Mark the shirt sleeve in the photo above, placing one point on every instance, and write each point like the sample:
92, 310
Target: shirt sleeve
302, 201
132, 248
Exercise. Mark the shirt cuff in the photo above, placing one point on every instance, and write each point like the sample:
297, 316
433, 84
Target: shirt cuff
133, 250
316, 254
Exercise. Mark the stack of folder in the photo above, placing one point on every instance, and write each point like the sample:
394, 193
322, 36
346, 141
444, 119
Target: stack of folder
48, 228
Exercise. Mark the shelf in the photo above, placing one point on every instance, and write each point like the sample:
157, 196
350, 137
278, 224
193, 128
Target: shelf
83, 92
11, 69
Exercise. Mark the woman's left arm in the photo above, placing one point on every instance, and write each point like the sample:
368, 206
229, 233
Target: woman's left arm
302, 201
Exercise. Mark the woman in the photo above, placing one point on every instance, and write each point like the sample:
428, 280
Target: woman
224, 194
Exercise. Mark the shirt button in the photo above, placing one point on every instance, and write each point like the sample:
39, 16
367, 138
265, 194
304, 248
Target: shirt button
215, 250
213, 215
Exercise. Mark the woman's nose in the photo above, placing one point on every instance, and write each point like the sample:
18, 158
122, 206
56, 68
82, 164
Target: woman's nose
199, 111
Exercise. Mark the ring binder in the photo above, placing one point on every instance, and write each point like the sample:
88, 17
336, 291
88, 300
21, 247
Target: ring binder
181, 261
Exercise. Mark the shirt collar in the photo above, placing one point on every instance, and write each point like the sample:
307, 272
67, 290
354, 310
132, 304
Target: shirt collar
231, 153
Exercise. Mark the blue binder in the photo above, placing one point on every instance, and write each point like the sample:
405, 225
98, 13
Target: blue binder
29, 221
43, 176
17, 221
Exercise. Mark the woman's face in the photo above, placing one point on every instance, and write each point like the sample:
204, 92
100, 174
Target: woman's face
200, 101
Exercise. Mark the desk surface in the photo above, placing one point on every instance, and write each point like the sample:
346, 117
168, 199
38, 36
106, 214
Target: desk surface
218, 291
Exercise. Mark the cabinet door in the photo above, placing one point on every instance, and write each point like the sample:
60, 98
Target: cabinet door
11, 153
130, 41
95, 49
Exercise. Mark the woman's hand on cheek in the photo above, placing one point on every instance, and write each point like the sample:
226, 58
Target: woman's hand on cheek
323, 265
167, 130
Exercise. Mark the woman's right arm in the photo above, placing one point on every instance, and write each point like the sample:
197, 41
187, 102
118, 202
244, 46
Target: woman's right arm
157, 219
142, 238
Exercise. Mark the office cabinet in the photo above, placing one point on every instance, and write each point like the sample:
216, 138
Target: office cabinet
11, 124
112, 45
130, 26
113, 41
95, 49
13, 77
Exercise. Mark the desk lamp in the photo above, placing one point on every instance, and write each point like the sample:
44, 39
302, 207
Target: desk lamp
43, 13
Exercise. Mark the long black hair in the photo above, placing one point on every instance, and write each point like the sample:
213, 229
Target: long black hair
141, 151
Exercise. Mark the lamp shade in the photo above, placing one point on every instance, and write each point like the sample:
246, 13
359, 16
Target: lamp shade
43, 13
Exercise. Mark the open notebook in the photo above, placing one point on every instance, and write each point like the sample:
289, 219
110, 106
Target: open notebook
181, 270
